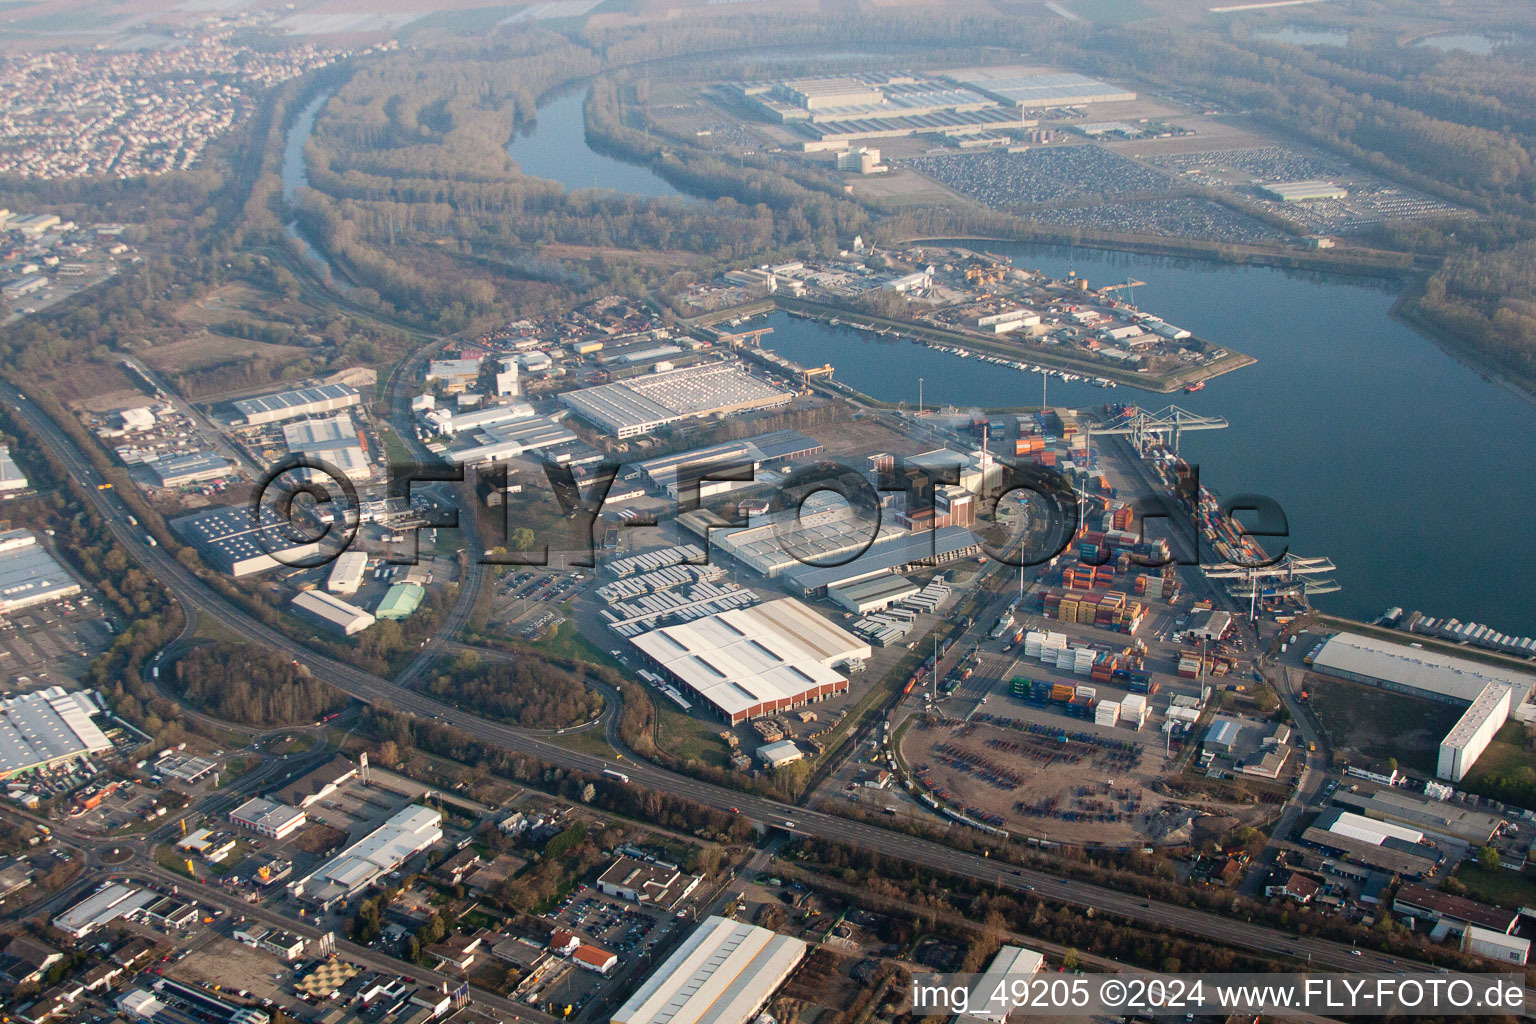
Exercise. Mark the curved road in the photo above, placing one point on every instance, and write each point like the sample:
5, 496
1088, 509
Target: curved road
365, 686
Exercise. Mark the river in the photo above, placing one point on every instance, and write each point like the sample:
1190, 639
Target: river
555, 147
295, 176
1405, 466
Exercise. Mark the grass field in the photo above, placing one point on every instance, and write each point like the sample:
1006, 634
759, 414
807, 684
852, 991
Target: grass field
1506, 755
1501, 887
687, 738
566, 641
1375, 723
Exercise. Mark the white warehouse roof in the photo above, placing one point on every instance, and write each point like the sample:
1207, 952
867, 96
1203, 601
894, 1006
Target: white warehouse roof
1429, 671
1369, 830
1012, 963
45, 726
723, 973
742, 659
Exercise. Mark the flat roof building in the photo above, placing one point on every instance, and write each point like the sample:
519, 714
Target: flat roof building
331, 612
1426, 904
44, 727
287, 405
723, 973
888, 554
641, 404
872, 595
654, 883
347, 572
1494, 945
268, 817
674, 473
453, 374
750, 662
1038, 90
11, 476
509, 440
191, 468
471, 420
318, 784
1448, 817
405, 834
102, 907
28, 573
1391, 848
231, 540
333, 439
1300, 191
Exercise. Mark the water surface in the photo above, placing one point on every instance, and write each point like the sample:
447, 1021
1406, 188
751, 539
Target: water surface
1407, 467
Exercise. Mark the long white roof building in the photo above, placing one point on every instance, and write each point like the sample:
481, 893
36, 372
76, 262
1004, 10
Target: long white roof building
723, 973
46, 726
404, 835
749, 662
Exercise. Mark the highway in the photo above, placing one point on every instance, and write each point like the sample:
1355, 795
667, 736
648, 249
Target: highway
372, 689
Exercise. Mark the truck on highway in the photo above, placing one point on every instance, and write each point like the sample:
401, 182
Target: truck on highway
151, 541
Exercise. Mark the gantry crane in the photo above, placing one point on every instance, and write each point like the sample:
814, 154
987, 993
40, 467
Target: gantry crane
1143, 427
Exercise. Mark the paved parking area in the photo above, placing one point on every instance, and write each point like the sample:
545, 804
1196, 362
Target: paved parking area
51, 643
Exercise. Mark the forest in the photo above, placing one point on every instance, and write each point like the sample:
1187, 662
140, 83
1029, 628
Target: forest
253, 686
530, 692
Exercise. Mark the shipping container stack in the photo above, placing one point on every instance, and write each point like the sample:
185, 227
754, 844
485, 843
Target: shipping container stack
1133, 711
1105, 609
1106, 712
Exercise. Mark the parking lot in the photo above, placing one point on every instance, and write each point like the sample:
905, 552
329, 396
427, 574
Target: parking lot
52, 644
612, 924
528, 602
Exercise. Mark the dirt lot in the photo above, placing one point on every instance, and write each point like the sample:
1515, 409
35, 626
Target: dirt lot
1094, 788
224, 963
316, 838
99, 387
1380, 724
208, 349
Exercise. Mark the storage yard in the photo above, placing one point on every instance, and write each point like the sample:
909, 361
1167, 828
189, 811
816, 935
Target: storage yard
1038, 773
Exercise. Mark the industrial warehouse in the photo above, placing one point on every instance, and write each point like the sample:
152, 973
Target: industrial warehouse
1039, 90
28, 573
833, 112
674, 474
749, 662
288, 405
11, 477
333, 440
723, 973
405, 834
232, 541
1491, 693
46, 727
1395, 849
331, 612
640, 405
